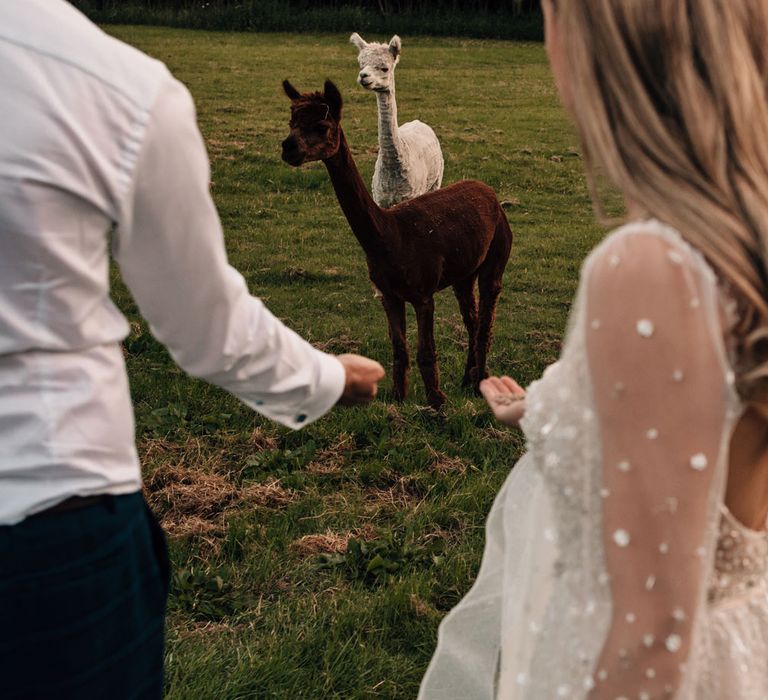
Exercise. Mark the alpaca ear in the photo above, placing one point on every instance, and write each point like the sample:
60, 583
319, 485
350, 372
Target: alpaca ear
333, 98
358, 41
395, 46
291, 91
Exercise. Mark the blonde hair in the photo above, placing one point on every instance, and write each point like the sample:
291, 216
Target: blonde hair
670, 101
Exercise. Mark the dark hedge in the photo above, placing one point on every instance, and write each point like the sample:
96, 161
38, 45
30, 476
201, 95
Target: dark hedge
499, 19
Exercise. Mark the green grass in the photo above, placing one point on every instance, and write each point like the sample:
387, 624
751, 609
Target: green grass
268, 599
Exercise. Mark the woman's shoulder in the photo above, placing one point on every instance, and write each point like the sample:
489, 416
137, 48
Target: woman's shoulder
641, 247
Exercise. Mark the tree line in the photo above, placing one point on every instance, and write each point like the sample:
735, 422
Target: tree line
383, 7
497, 19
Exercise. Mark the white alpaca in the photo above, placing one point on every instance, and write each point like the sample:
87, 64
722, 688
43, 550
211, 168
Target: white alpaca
410, 162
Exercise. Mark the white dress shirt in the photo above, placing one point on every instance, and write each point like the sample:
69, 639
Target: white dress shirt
95, 135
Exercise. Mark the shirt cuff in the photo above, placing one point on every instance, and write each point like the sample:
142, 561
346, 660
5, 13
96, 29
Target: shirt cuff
331, 380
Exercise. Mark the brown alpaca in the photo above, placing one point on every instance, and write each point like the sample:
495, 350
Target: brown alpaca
451, 237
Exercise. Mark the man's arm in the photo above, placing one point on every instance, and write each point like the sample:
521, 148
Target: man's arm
170, 249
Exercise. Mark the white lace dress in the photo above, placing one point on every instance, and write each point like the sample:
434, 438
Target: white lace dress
612, 568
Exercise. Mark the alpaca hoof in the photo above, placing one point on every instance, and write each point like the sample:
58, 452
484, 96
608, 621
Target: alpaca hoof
467, 381
398, 396
476, 376
436, 401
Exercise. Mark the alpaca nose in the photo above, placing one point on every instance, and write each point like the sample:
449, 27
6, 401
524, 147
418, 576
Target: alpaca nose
290, 150
363, 75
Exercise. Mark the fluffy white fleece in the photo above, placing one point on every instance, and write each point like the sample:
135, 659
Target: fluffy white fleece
410, 161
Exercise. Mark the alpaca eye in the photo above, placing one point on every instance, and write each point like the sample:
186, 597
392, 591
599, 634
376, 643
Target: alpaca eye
384, 70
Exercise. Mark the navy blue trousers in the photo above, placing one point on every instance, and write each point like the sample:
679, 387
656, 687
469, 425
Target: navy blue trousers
82, 604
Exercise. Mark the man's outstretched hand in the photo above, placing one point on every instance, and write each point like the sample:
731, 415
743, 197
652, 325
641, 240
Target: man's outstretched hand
363, 377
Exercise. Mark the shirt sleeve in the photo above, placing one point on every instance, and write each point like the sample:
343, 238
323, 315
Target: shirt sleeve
171, 254
659, 375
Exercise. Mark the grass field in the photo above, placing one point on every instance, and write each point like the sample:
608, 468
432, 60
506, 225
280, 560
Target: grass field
318, 564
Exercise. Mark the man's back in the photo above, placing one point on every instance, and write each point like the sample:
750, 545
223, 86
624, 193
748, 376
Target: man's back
75, 106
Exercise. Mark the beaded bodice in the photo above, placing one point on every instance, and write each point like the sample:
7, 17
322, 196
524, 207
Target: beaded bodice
741, 561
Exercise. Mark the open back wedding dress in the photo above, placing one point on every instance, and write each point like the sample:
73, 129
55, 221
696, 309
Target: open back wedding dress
612, 567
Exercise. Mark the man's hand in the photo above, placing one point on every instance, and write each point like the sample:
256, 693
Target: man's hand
363, 376
506, 399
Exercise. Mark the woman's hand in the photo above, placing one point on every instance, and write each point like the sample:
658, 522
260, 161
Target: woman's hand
506, 399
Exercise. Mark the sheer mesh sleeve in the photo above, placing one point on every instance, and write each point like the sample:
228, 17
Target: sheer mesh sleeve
659, 376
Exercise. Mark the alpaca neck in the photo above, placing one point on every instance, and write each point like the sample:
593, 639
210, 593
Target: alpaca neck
389, 137
363, 214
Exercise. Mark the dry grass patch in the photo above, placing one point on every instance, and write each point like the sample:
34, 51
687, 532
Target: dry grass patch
403, 494
208, 628
193, 502
330, 542
500, 434
445, 464
262, 440
458, 334
270, 494
331, 459
420, 607
340, 344
395, 418
437, 535
545, 343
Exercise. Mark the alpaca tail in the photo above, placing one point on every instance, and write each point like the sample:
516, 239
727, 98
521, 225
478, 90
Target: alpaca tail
503, 237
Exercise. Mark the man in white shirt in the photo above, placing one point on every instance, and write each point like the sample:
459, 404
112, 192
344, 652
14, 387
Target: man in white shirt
96, 137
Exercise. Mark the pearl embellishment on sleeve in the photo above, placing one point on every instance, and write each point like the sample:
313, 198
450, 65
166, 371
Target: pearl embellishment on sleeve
621, 538
645, 328
699, 462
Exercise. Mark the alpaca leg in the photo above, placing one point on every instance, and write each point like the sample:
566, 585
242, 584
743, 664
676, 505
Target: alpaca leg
395, 310
490, 288
427, 356
465, 294
489, 285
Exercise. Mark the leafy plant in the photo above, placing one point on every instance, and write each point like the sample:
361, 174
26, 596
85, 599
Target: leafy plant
205, 594
160, 422
282, 461
373, 562
176, 416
